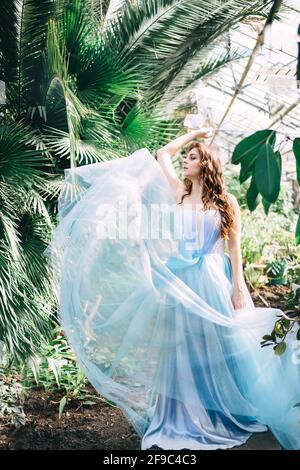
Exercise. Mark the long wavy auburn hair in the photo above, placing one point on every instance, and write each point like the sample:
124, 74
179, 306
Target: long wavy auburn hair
214, 194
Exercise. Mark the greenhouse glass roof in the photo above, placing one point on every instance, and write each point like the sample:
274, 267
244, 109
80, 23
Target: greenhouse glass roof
269, 97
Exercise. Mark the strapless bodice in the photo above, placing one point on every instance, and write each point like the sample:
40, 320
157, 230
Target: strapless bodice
201, 231
198, 233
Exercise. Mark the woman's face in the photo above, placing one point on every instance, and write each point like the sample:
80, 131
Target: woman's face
191, 163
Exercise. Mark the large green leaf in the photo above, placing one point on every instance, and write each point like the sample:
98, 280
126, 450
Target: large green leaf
298, 61
298, 231
247, 150
252, 195
279, 160
267, 173
244, 175
296, 150
266, 205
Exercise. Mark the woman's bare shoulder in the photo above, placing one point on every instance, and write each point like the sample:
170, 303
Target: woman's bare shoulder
234, 202
232, 198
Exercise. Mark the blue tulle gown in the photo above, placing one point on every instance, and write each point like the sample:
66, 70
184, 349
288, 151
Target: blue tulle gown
150, 318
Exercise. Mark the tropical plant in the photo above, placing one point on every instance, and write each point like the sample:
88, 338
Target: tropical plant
287, 323
276, 271
26, 291
261, 162
55, 369
12, 396
264, 235
284, 326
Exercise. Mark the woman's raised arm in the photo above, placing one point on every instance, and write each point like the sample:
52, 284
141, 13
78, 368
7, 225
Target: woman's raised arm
165, 154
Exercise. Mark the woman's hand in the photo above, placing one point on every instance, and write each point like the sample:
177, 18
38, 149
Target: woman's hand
204, 132
238, 298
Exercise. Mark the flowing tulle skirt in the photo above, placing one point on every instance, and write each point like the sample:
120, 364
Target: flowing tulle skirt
206, 401
152, 325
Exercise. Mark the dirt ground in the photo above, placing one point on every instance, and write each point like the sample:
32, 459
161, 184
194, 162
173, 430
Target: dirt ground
98, 426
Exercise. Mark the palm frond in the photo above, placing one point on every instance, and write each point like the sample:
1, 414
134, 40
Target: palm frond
22, 42
162, 36
20, 164
202, 66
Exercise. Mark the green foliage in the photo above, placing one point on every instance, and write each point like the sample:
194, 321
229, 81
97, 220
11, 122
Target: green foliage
264, 237
293, 300
56, 369
11, 401
296, 150
267, 173
259, 160
255, 277
287, 323
282, 327
294, 271
267, 237
26, 294
248, 149
277, 271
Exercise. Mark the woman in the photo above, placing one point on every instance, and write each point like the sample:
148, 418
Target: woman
204, 184
158, 314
